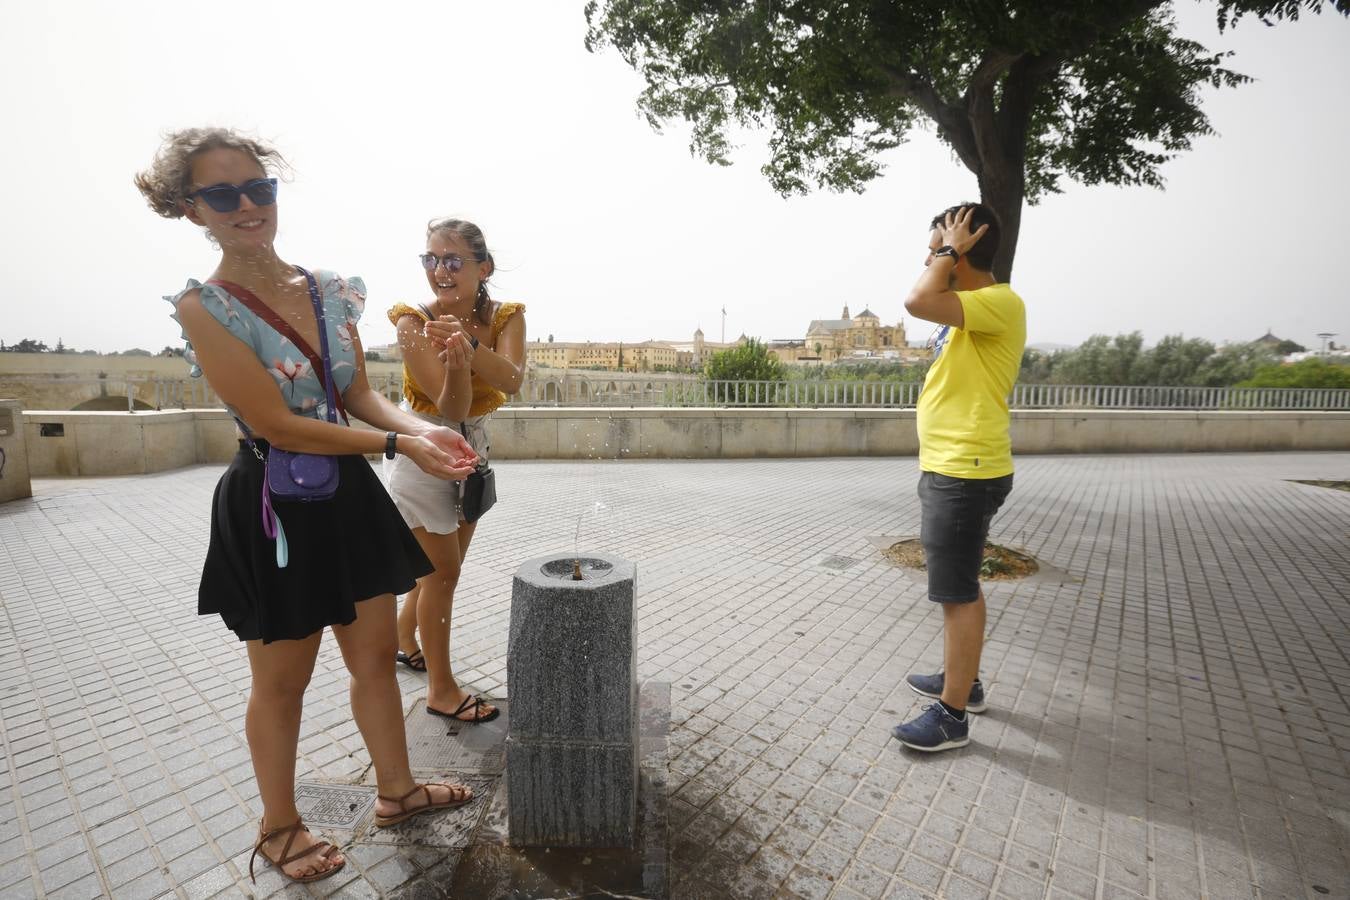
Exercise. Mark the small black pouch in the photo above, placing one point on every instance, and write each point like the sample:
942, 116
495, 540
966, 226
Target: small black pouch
480, 492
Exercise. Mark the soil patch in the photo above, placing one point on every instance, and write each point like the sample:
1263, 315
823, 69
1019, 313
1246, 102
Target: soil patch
1334, 485
999, 563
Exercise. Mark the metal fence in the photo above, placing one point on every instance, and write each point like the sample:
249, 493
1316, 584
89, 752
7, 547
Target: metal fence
628, 391
905, 395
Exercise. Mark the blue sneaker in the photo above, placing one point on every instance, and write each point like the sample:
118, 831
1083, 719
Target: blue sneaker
931, 686
934, 729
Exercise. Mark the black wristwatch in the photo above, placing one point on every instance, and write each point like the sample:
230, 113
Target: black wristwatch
947, 250
473, 342
390, 444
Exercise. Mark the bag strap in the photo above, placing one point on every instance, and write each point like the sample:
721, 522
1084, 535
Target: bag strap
482, 464
321, 365
328, 381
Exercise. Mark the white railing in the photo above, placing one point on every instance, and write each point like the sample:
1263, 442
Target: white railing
905, 395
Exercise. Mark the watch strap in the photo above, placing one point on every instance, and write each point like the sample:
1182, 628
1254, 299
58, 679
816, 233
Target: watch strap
947, 250
390, 444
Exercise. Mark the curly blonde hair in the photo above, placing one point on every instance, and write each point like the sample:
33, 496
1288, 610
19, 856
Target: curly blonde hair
168, 181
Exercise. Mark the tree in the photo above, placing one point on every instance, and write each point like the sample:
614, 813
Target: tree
373, 356
1175, 360
1234, 363
1286, 347
28, 345
1027, 94
750, 361
1306, 373
1102, 360
1036, 366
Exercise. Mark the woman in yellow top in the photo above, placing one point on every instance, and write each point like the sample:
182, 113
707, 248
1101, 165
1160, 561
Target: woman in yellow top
463, 356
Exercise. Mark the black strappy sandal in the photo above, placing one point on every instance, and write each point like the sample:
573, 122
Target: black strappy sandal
473, 703
414, 660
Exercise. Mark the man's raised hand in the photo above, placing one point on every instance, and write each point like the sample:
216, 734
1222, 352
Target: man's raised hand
956, 231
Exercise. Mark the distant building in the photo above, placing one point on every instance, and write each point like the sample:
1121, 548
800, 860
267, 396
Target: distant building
645, 356
827, 340
847, 337
1269, 339
388, 352
693, 355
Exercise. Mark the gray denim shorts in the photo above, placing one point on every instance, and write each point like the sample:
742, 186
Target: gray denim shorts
956, 517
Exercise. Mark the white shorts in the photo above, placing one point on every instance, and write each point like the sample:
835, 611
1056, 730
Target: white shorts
426, 501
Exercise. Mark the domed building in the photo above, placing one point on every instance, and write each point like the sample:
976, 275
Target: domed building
847, 337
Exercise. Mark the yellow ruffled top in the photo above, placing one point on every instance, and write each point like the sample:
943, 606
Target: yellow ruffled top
486, 398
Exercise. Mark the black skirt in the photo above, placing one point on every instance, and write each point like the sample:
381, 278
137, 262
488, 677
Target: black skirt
350, 548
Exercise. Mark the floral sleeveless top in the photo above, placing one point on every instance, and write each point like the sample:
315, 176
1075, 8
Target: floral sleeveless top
344, 299
486, 398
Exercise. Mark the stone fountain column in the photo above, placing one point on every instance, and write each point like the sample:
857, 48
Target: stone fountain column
572, 745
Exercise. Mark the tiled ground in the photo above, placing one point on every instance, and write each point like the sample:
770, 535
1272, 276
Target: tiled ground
1168, 717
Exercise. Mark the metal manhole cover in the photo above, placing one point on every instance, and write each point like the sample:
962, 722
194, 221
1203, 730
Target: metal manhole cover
453, 828
333, 805
837, 563
436, 744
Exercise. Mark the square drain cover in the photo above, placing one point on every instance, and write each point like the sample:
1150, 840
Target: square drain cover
333, 805
437, 745
838, 563
451, 828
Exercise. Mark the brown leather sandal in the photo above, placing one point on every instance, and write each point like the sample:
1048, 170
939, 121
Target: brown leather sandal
323, 848
404, 813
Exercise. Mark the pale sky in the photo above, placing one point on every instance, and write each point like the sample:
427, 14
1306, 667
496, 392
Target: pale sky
394, 113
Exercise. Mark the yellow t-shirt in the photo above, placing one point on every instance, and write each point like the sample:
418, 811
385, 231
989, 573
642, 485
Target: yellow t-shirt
963, 409
486, 398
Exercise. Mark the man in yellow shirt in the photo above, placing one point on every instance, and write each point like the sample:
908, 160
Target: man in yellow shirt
965, 455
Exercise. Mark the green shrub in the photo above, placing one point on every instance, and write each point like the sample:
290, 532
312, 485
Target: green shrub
1306, 373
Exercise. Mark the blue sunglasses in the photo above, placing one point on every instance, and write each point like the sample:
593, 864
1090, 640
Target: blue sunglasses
225, 197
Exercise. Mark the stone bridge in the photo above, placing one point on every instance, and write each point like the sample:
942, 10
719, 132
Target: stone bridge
71, 382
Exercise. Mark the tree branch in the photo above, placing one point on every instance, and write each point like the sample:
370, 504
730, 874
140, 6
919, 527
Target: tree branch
991, 67
1025, 78
979, 101
950, 118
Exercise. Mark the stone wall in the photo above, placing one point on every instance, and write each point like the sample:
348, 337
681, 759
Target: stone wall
63, 443
15, 477
586, 433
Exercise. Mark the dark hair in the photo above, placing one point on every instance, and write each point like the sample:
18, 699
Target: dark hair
981, 256
472, 235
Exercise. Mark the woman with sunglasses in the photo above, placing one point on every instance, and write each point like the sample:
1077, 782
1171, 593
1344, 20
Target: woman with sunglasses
251, 331
463, 356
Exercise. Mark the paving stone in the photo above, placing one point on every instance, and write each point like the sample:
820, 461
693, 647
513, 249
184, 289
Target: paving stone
920, 873
1174, 710
87, 888
209, 884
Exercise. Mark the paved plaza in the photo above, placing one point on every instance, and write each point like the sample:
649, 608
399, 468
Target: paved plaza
1168, 703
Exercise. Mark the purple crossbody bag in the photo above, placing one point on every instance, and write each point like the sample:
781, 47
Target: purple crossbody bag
303, 477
